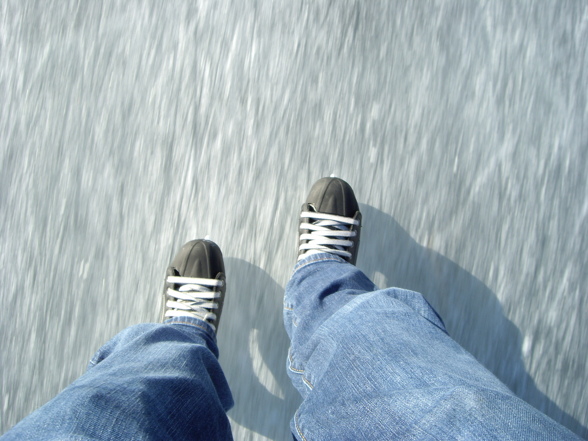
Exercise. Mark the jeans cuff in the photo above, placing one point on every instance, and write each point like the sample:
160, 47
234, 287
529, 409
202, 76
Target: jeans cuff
317, 257
197, 323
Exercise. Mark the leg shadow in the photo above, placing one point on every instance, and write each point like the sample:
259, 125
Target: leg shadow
253, 348
471, 312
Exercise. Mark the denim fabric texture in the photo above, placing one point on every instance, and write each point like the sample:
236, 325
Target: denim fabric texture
379, 365
151, 381
370, 365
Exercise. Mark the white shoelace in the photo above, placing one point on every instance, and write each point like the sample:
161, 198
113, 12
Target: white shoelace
328, 233
195, 298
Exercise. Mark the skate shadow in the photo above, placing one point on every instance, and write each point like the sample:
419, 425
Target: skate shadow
253, 347
471, 312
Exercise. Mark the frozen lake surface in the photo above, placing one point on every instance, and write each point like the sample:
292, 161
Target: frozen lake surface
128, 128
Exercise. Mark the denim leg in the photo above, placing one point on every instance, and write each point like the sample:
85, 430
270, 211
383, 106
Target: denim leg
379, 364
151, 381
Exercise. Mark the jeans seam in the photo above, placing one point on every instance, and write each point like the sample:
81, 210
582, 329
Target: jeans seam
296, 415
299, 371
291, 360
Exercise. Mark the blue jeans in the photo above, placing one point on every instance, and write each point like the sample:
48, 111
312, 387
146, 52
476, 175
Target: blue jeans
379, 365
151, 381
369, 364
